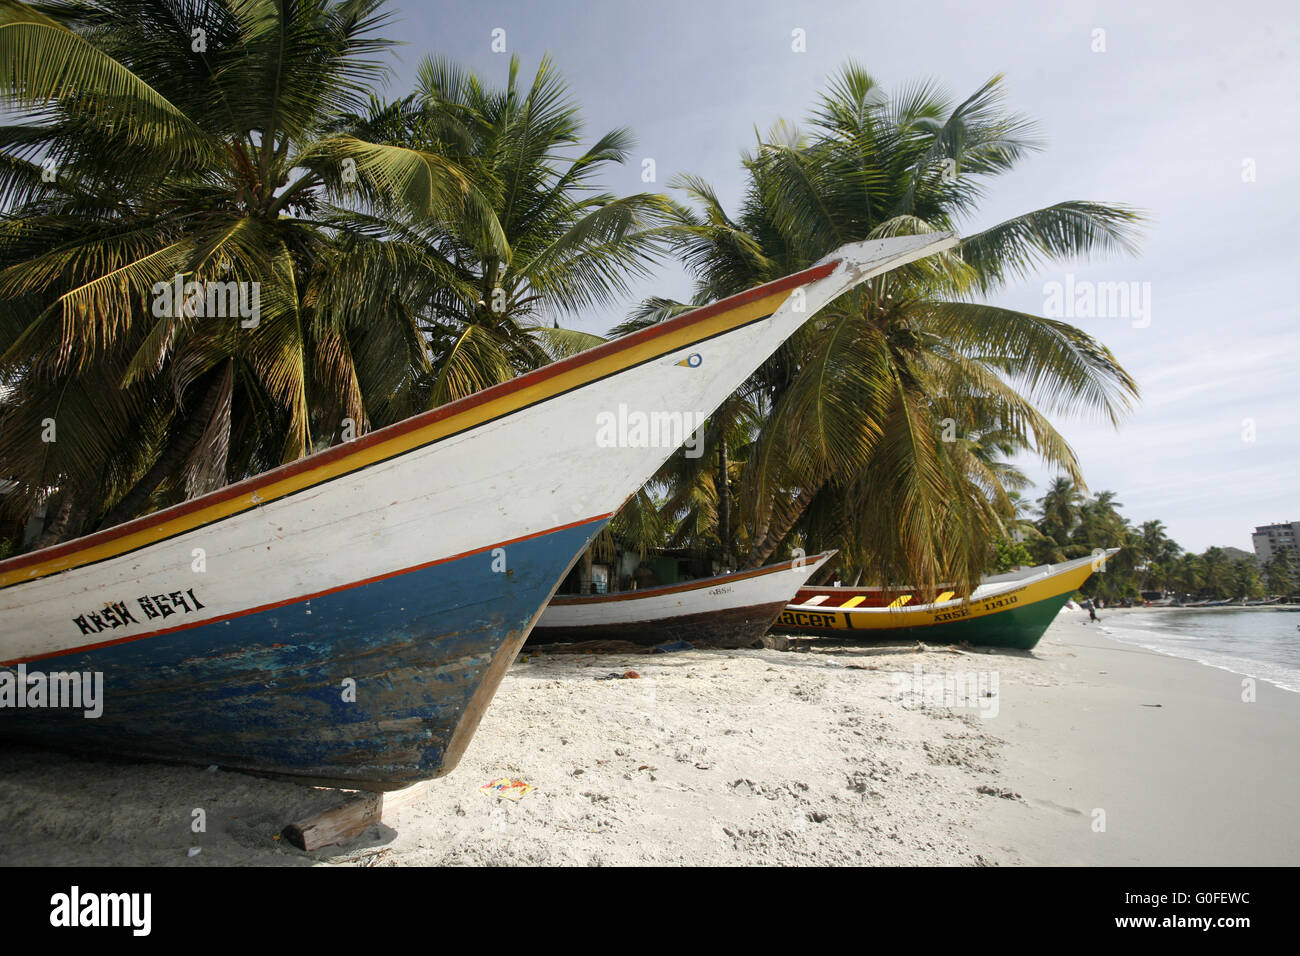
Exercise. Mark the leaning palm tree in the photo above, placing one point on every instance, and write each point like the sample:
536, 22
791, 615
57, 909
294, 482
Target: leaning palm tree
871, 401
192, 146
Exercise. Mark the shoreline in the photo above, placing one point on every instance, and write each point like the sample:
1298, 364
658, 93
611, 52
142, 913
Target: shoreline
1186, 770
1236, 665
760, 757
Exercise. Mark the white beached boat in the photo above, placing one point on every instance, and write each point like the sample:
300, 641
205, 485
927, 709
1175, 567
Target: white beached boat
346, 619
723, 610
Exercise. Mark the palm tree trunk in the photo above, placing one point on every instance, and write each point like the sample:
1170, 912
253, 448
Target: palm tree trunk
62, 526
724, 506
776, 533
179, 444
584, 576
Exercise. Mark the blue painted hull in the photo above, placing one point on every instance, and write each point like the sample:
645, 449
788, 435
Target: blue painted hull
270, 691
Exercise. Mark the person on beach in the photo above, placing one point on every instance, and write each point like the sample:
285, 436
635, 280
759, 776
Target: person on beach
1092, 611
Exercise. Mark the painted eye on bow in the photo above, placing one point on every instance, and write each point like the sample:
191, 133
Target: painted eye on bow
693, 360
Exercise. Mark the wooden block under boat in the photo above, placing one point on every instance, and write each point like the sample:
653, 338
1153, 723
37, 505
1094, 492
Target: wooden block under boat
348, 821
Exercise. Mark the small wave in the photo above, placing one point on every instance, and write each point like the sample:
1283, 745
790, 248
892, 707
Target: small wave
1271, 657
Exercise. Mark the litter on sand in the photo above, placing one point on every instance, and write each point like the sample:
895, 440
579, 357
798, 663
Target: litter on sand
506, 789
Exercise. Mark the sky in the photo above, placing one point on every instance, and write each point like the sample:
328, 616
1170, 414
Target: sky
1188, 111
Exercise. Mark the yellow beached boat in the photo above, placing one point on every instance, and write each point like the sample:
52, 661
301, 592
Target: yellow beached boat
1007, 610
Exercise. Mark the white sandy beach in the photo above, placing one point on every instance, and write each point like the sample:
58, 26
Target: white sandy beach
759, 757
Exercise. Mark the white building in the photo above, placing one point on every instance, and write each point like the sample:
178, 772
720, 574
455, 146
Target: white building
1268, 539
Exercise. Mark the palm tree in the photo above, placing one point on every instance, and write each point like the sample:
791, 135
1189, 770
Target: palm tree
1216, 573
1278, 573
171, 141
1245, 581
1022, 511
1158, 552
563, 246
404, 253
1060, 511
860, 403
1100, 523
1189, 574
1155, 542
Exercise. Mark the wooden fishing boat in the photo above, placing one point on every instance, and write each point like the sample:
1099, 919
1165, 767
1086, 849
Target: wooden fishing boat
726, 610
345, 619
1006, 610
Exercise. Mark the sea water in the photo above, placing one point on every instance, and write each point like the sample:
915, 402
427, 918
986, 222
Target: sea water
1262, 643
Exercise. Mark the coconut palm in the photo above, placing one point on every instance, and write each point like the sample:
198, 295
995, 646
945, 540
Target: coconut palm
199, 140
404, 253
1156, 543
1245, 581
1059, 511
1217, 573
1189, 574
1100, 523
872, 404
1279, 574
564, 245
1158, 552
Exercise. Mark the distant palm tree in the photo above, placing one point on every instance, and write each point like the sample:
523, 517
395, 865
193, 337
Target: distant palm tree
1100, 523
1020, 522
1158, 552
1245, 581
1156, 544
1189, 574
1060, 511
867, 413
1279, 574
1216, 573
